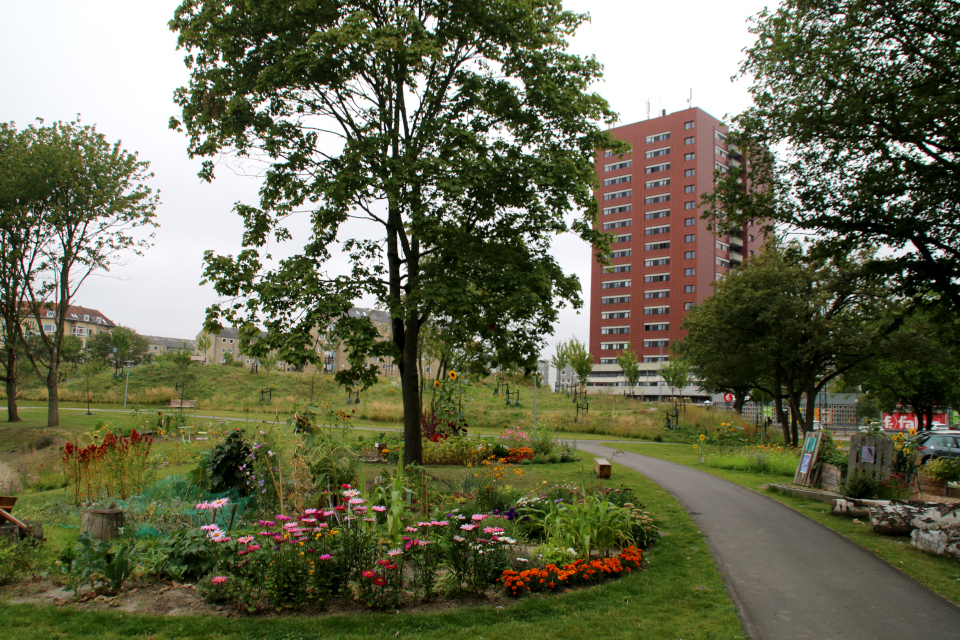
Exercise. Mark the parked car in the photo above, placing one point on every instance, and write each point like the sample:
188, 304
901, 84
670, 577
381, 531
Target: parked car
938, 426
938, 444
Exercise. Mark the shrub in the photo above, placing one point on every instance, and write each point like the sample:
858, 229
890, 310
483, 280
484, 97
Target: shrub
942, 470
224, 471
859, 485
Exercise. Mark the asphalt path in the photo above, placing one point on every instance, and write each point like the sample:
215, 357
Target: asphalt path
790, 577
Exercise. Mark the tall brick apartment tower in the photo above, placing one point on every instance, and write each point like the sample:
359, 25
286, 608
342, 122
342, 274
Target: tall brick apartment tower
663, 258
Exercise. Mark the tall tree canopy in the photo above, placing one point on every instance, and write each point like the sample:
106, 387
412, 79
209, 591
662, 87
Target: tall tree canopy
917, 365
801, 321
463, 131
861, 98
71, 204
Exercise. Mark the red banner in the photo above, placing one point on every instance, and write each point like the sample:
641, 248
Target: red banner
907, 421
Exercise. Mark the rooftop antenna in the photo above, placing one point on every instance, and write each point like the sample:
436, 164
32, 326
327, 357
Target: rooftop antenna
648, 108
690, 99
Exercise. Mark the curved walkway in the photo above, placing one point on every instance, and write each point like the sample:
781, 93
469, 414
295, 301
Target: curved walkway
791, 577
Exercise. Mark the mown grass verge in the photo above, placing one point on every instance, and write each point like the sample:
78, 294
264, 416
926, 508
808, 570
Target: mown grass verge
938, 573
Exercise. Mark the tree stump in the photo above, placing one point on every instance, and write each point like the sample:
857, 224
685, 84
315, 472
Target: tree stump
102, 524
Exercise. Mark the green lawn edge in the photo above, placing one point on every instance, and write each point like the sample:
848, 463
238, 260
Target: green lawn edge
940, 574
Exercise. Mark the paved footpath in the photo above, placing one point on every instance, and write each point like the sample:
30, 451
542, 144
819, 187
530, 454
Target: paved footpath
790, 577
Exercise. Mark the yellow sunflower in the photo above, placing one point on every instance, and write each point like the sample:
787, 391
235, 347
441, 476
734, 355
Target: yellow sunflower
436, 383
453, 375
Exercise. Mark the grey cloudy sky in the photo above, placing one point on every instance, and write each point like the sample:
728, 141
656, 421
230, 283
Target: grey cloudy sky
115, 62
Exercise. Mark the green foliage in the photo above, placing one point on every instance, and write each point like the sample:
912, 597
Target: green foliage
676, 373
467, 184
98, 564
917, 364
75, 199
224, 469
580, 359
786, 323
942, 470
855, 95
859, 485
17, 559
330, 459
630, 365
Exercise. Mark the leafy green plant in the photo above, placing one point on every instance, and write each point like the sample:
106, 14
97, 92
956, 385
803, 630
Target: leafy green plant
103, 566
591, 522
859, 485
224, 469
942, 470
17, 559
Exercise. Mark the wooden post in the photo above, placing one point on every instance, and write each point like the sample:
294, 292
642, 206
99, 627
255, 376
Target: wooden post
102, 524
601, 467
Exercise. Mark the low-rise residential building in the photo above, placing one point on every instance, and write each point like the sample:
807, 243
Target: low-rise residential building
82, 322
225, 347
158, 345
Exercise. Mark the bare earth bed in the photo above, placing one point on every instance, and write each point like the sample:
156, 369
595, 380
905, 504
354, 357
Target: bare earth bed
173, 599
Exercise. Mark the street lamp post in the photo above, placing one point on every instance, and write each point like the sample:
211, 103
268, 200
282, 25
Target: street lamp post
128, 364
536, 378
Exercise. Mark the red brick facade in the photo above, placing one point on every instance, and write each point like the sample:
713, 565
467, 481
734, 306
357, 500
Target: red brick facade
651, 195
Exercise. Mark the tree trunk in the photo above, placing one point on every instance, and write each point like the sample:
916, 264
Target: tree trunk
11, 380
739, 399
793, 429
12, 413
53, 403
412, 409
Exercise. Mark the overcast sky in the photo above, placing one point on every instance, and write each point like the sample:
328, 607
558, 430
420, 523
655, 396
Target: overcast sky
116, 64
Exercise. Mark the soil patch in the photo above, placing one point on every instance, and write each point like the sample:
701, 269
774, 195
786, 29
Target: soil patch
174, 599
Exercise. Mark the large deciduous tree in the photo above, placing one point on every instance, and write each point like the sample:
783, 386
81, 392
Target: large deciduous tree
77, 219
462, 131
917, 365
796, 322
861, 99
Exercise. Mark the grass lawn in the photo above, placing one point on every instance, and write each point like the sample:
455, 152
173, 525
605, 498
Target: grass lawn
679, 595
940, 574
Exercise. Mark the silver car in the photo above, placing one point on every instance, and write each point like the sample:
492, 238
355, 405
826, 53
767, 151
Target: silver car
938, 444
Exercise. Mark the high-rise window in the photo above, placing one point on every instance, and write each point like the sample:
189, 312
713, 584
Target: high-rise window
689, 255
618, 180
690, 237
688, 125
689, 140
689, 173
689, 288
653, 215
689, 188
689, 272
689, 156
616, 166
658, 137
689, 222
690, 204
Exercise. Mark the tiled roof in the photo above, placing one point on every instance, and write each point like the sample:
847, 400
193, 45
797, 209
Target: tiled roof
76, 313
171, 343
